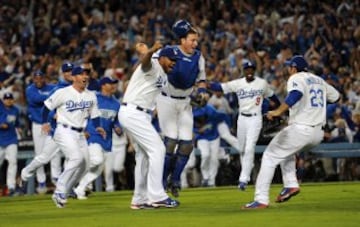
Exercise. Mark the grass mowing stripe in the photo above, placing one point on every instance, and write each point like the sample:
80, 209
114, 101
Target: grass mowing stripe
318, 204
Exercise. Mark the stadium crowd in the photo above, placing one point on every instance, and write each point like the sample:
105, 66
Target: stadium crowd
42, 35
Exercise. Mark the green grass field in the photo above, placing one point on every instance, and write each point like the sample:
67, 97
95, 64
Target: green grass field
320, 205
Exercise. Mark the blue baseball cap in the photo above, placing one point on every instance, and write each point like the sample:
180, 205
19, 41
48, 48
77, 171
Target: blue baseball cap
39, 73
298, 62
170, 53
77, 70
248, 64
107, 80
8, 95
67, 67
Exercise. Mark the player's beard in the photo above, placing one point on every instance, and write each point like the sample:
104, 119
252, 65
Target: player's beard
249, 77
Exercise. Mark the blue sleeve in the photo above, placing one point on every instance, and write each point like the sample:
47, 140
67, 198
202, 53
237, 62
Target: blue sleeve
17, 121
215, 86
33, 96
45, 114
293, 97
96, 122
199, 111
219, 117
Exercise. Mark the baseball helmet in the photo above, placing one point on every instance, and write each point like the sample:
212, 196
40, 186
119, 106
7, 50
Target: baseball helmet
298, 62
181, 28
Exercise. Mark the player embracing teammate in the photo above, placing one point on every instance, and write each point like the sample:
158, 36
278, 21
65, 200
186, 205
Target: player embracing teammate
173, 104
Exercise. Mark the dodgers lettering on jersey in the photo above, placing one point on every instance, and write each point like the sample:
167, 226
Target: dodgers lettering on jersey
73, 107
35, 98
145, 86
108, 107
250, 95
311, 108
9, 116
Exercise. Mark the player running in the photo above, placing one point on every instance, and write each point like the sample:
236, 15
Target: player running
9, 128
99, 145
74, 106
50, 150
36, 93
306, 102
251, 91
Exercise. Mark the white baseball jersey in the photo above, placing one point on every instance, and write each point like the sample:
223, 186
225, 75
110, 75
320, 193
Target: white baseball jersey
150, 149
309, 110
68, 101
143, 89
250, 95
303, 132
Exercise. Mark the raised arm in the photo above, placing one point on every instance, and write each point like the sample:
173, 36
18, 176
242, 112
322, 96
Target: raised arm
146, 58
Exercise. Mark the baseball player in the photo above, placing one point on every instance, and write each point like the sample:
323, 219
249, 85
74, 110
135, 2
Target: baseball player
306, 102
173, 105
135, 117
98, 145
206, 120
251, 91
74, 106
36, 93
9, 124
50, 150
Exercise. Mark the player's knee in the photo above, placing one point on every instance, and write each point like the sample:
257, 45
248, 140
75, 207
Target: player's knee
96, 161
185, 147
118, 168
170, 144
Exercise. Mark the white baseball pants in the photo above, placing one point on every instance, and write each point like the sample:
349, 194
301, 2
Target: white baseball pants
209, 151
248, 131
74, 146
96, 166
282, 150
175, 117
114, 160
50, 152
10, 154
226, 135
39, 140
149, 156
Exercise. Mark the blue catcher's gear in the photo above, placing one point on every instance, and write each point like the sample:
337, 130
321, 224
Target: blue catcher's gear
181, 28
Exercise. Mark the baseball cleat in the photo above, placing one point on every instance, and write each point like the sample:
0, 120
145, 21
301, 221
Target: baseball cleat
41, 189
286, 194
175, 191
12, 192
80, 195
169, 203
23, 187
143, 206
242, 186
59, 199
254, 205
